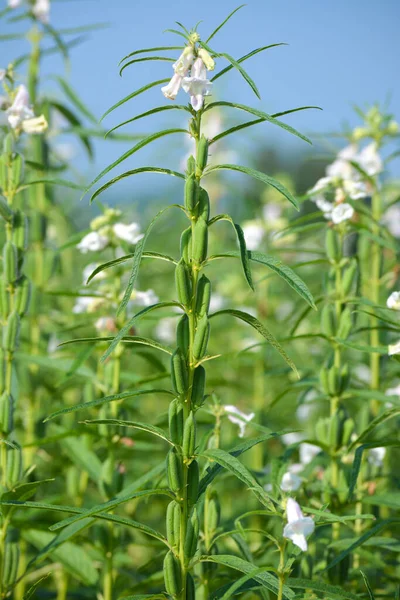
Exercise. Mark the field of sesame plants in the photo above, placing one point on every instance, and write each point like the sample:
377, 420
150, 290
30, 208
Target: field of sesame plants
200, 394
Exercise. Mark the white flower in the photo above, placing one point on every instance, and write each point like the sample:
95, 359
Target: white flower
394, 349
20, 109
239, 418
253, 234
105, 324
324, 206
166, 329
35, 125
53, 344
393, 391
321, 184
292, 438
308, 452
14, 3
376, 456
197, 85
128, 233
298, 526
2, 74
369, 160
184, 62
355, 189
271, 212
146, 298
41, 10
92, 242
84, 304
171, 90
207, 59
217, 302
342, 212
290, 482
393, 301
392, 220
88, 270
341, 167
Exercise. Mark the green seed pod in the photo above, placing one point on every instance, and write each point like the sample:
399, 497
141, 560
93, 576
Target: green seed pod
333, 249
172, 575
73, 482
10, 262
10, 563
213, 513
183, 335
322, 429
20, 231
193, 479
183, 283
8, 146
348, 429
328, 320
323, 378
2, 370
6, 413
364, 248
200, 241
203, 296
345, 377
174, 470
14, 466
175, 419
191, 193
204, 205
202, 155
17, 171
201, 338
198, 386
349, 277
190, 588
189, 436
38, 227
4, 300
23, 296
179, 372
334, 381
5, 210
192, 536
334, 427
11, 332
173, 523
345, 324
191, 165
186, 245
107, 477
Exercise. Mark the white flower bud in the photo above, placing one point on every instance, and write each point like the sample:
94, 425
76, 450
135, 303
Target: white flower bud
393, 301
207, 59
35, 125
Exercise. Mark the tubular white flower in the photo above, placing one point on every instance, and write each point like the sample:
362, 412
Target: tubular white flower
298, 526
197, 85
207, 59
325, 206
290, 482
355, 189
369, 160
35, 125
253, 234
308, 452
184, 62
376, 456
92, 242
237, 417
393, 301
171, 90
342, 212
394, 349
20, 109
41, 10
129, 233
321, 184
146, 298
341, 167
392, 220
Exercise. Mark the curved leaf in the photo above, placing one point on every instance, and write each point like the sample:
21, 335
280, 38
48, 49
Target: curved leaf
129, 339
144, 50
157, 431
223, 23
133, 94
245, 57
122, 259
74, 98
145, 59
150, 112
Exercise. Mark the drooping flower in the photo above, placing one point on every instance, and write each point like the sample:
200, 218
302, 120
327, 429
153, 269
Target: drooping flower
341, 167
342, 212
393, 301
20, 109
184, 62
238, 417
394, 349
197, 85
324, 206
290, 482
128, 233
146, 298
92, 242
171, 90
253, 234
298, 526
376, 456
41, 10
308, 452
369, 160
35, 125
392, 220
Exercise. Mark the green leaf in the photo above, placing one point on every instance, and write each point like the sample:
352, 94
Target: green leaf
145, 59
234, 466
363, 347
224, 22
128, 339
260, 177
133, 95
258, 326
75, 122
157, 431
261, 115
61, 182
150, 112
370, 592
80, 455
385, 416
245, 57
105, 400
108, 184
75, 100
356, 466
235, 129
372, 395
236, 65
28, 595
237, 585
144, 50
319, 586
242, 245
122, 259
22, 492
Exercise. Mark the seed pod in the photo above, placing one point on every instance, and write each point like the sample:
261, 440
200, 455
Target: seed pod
174, 470
8, 145
213, 513
334, 426
183, 335
201, 338
11, 332
345, 324
179, 373
175, 419
172, 575
323, 378
107, 477
186, 245
189, 436
6, 413
191, 193
348, 429
5, 210
202, 155
38, 227
204, 205
333, 381
173, 523
364, 248
322, 429
23, 296
10, 262
10, 564
192, 536
203, 296
190, 588
4, 300
328, 320
73, 482
2, 370
333, 249
198, 386
17, 170
191, 165
183, 283
349, 277
14, 466
345, 377
3, 173
200, 241
20, 231
193, 479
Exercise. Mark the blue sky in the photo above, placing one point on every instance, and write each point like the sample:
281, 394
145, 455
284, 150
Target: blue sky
339, 53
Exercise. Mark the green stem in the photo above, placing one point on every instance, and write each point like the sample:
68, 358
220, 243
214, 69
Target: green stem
374, 287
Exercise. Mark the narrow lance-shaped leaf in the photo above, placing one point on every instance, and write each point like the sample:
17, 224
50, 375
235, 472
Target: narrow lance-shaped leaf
133, 95
129, 339
145, 59
246, 57
76, 101
145, 50
223, 23
122, 259
157, 431
148, 113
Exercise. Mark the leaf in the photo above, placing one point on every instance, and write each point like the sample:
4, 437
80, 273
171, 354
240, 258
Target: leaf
245, 57
122, 259
108, 184
260, 177
127, 339
258, 326
105, 400
372, 395
22, 492
237, 585
28, 595
355, 469
144, 50
319, 586
242, 245
145, 59
150, 112
234, 466
133, 94
261, 115
385, 416
61, 182
224, 22
80, 455
362, 347
236, 65
370, 592
74, 98
157, 431
74, 121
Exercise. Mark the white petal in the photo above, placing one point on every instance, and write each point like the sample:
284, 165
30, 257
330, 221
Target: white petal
342, 212
393, 301
293, 511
